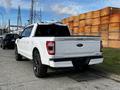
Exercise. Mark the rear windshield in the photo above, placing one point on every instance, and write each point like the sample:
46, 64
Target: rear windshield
11, 36
8, 36
52, 30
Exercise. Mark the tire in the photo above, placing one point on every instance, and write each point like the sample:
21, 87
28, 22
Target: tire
39, 69
18, 57
3, 46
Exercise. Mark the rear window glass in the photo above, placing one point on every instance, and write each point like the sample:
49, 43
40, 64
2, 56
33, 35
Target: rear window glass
10, 36
52, 30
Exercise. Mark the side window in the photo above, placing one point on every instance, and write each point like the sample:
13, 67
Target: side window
27, 32
38, 32
23, 34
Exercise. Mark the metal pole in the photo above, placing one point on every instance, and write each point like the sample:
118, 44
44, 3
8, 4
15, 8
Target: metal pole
40, 15
32, 11
19, 20
1, 25
9, 25
2, 18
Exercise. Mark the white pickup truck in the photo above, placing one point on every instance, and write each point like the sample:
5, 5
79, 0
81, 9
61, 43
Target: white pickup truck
50, 44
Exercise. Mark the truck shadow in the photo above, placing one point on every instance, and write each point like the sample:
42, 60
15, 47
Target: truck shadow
90, 74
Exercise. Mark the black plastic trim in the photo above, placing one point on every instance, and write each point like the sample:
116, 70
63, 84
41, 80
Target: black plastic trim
75, 58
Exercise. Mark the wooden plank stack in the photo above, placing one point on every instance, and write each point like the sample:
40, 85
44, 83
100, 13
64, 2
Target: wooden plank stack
104, 22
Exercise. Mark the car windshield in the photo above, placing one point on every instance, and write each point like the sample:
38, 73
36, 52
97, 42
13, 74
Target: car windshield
52, 30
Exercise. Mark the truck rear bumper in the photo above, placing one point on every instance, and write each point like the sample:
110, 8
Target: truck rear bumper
67, 62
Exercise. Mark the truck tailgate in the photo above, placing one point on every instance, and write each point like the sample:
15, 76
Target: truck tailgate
77, 46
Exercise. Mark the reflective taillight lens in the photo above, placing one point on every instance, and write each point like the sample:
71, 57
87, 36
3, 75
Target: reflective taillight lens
50, 45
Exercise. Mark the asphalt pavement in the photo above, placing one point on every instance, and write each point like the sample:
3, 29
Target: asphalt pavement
18, 75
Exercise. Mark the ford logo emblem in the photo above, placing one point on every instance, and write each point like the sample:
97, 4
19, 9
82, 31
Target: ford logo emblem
79, 45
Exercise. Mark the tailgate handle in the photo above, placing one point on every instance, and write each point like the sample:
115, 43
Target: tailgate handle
79, 45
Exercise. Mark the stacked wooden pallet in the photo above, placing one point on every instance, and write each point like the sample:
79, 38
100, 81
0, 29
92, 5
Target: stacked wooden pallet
104, 22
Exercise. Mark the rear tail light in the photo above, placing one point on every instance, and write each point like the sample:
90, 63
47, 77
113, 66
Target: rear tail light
50, 45
101, 46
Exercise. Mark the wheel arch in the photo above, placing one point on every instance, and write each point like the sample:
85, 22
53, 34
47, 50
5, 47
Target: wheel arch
16, 47
43, 59
35, 48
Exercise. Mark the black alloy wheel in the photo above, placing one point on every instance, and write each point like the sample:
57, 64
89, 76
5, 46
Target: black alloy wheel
39, 69
18, 57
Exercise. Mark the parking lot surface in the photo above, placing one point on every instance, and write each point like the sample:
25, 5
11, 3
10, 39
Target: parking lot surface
16, 75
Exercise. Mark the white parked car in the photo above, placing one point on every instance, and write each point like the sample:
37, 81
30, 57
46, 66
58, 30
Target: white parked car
50, 44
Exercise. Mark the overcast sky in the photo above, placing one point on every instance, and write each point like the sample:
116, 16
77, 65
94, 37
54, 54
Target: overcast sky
52, 9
